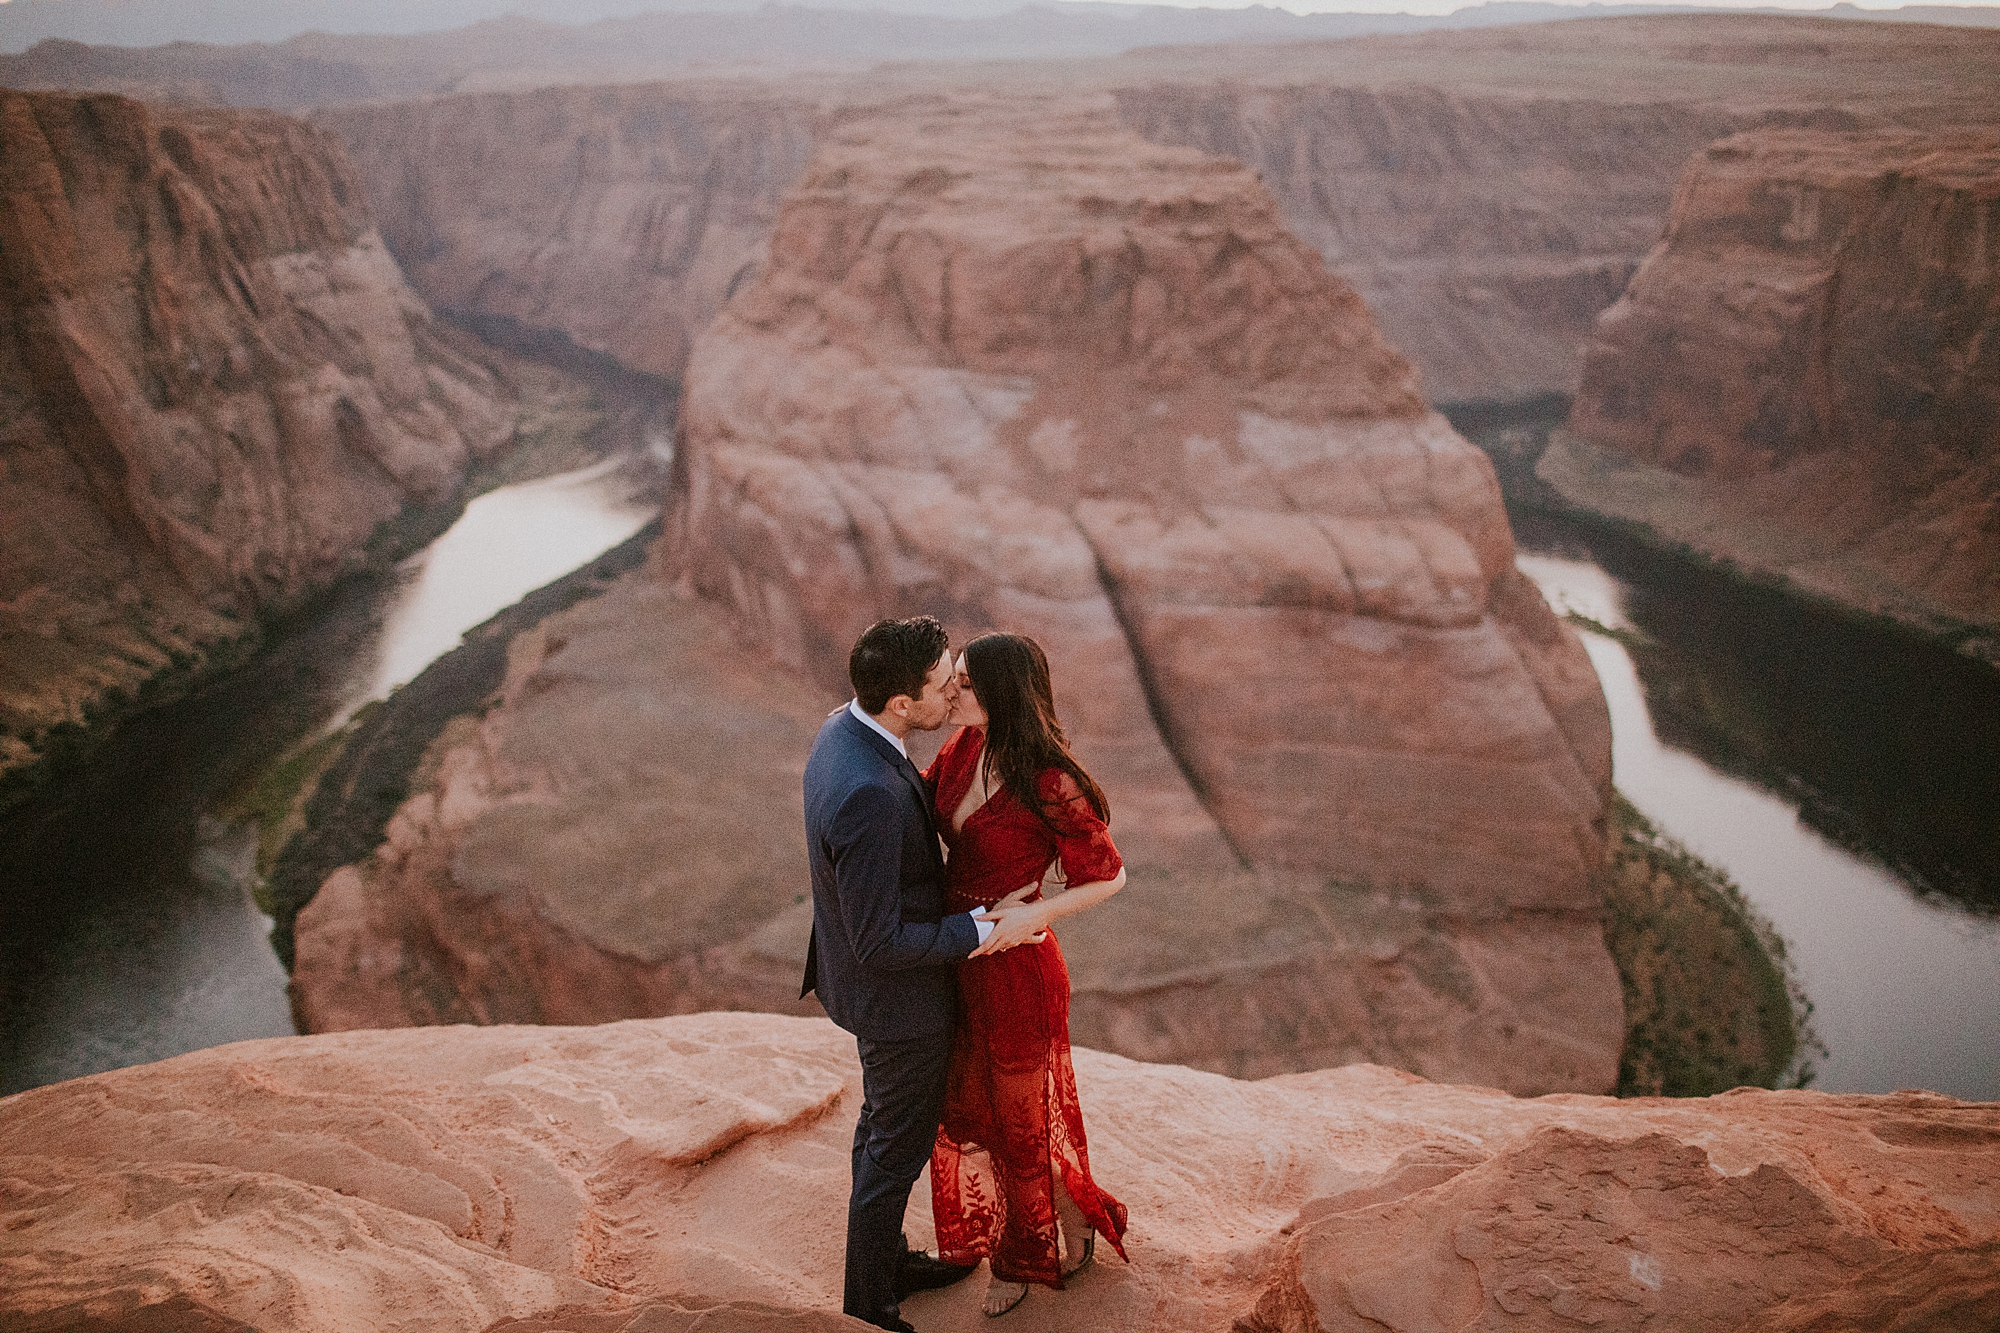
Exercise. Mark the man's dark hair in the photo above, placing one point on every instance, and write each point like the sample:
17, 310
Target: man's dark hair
894, 657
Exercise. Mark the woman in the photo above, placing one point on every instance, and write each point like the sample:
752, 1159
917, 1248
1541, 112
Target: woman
1013, 803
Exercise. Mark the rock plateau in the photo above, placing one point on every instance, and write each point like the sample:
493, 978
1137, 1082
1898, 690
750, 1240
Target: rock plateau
1804, 377
215, 386
691, 1173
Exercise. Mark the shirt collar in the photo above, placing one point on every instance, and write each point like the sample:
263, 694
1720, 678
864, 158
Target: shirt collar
854, 707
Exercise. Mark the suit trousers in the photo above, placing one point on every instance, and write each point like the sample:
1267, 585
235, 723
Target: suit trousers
902, 1098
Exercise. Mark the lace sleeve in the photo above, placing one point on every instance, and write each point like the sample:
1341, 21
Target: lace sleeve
1084, 850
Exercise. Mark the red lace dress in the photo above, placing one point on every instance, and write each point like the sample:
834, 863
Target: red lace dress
1011, 1118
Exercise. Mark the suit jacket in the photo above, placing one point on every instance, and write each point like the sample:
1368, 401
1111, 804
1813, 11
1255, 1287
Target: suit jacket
882, 944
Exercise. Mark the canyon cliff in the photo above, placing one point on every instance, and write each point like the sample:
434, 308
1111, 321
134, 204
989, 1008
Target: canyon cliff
691, 1173
1804, 377
1486, 232
215, 387
1488, 192
1010, 364
614, 219
1014, 366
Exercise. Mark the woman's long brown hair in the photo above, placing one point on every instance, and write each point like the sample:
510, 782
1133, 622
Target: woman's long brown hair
1010, 674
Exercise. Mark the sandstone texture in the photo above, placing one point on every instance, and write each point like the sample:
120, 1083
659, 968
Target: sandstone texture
614, 219
1807, 372
1031, 371
214, 388
1486, 232
1020, 368
692, 1173
620, 835
1487, 192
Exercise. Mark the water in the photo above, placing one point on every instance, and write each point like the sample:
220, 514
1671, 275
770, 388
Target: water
127, 933
508, 543
1904, 977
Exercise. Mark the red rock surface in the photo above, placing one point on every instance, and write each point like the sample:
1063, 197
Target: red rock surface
1389, 909
1488, 192
1020, 368
1815, 345
214, 385
615, 218
619, 837
632, 1175
1485, 231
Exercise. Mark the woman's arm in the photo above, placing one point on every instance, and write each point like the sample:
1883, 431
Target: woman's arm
1028, 919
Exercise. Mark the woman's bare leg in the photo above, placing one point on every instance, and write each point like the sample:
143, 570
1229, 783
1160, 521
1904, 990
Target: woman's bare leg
1075, 1227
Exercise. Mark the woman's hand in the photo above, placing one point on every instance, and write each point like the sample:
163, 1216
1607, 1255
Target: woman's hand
1024, 923
1015, 922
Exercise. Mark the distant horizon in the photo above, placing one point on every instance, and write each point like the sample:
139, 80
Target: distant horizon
137, 24
1435, 7
1299, 7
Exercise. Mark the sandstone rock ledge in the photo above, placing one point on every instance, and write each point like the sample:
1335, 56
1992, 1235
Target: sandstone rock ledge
636, 1174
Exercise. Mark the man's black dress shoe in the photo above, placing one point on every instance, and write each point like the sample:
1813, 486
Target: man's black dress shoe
920, 1271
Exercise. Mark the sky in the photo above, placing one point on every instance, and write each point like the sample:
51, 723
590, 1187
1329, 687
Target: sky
1422, 6
1450, 6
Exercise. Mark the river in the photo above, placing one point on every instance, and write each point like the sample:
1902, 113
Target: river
129, 936
1879, 880
129, 933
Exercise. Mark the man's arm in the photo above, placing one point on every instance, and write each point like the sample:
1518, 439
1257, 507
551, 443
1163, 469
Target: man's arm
866, 839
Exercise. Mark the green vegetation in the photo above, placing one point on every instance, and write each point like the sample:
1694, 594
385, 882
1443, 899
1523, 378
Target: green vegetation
275, 799
1631, 638
1710, 999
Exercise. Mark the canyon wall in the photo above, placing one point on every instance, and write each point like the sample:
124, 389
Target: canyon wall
1804, 377
1485, 232
691, 1174
1014, 366
1010, 364
616, 219
1487, 192
215, 387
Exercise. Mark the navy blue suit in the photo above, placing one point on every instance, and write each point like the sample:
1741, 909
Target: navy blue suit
881, 956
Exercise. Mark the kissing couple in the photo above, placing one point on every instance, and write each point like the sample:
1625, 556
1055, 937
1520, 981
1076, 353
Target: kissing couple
944, 967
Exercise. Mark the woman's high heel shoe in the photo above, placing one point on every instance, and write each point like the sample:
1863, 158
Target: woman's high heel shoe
1089, 1257
992, 1312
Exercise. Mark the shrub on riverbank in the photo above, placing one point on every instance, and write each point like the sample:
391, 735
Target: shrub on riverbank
1710, 999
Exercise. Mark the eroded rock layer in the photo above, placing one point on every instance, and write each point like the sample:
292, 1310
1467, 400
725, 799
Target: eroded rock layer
693, 1172
1485, 232
1808, 367
214, 387
616, 219
1488, 192
618, 837
1019, 368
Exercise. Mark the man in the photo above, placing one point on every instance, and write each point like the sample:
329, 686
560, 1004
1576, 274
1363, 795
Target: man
882, 947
